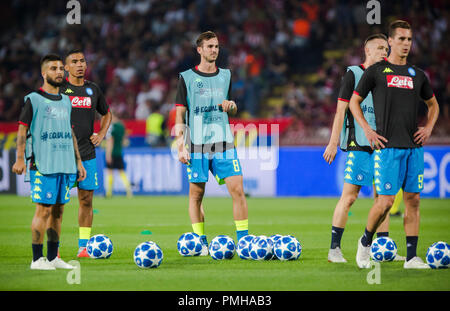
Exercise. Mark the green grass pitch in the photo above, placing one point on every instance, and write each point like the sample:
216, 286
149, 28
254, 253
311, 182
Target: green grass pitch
123, 220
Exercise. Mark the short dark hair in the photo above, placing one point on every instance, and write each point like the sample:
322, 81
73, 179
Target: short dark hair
73, 51
397, 24
49, 58
375, 36
205, 36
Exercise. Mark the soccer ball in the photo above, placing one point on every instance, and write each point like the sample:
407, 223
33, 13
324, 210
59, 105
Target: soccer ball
274, 239
222, 247
148, 255
438, 255
287, 248
189, 244
99, 246
383, 249
261, 248
242, 247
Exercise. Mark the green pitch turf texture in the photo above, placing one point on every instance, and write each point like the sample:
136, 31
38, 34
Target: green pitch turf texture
164, 219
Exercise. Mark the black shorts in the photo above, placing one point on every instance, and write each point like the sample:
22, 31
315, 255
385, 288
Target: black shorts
117, 163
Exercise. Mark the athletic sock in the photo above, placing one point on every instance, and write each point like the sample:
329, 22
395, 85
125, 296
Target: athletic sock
199, 228
336, 235
52, 250
241, 228
411, 247
126, 182
366, 239
380, 234
84, 236
37, 251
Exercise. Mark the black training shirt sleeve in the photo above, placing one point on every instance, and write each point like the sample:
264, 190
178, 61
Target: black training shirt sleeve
367, 82
26, 115
347, 86
181, 98
102, 106
426, 92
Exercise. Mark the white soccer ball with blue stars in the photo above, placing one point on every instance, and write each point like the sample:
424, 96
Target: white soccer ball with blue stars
287, 248
99, 246
261, 248
189, 244
148, 255
222, 247
383, 249
438, 255
242, 248
275, 238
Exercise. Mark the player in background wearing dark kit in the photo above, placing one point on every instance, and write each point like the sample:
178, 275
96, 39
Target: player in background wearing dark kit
397, 89
115, 140
359, 164
87, 99
204, 138
47, 152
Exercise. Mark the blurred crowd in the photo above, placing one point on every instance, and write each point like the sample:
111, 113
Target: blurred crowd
287, 57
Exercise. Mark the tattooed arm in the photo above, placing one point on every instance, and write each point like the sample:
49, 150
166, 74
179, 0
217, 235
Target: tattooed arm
19, 167
80, 167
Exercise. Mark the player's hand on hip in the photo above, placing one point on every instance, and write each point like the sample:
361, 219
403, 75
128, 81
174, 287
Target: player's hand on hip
183, 155
228, 105
81, 172
19, 167
330, 153
422, 135
375, 140
96, 139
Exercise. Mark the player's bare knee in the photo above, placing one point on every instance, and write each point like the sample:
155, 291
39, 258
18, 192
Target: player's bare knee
196, 196
348, 200
236, 190
85, 198
412, 201
57, 211
43, 210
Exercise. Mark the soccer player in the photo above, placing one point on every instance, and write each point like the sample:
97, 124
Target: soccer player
52, 160
114, 156
397, 88
204, 138
87, 99
359, 165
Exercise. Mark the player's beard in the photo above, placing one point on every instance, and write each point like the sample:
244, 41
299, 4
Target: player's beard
53, 82
212, 58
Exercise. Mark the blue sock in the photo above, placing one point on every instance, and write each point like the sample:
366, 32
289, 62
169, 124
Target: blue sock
37, 251
367, 238
380, 234
336, 235
241, 233
52, 250
411, 247
82, 242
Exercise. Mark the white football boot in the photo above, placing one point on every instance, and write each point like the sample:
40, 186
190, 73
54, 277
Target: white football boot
363, 255
335, 255
42, 264
415, 263
205, 250
399, 258
58, 263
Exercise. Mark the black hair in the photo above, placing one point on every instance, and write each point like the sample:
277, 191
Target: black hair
49, 58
